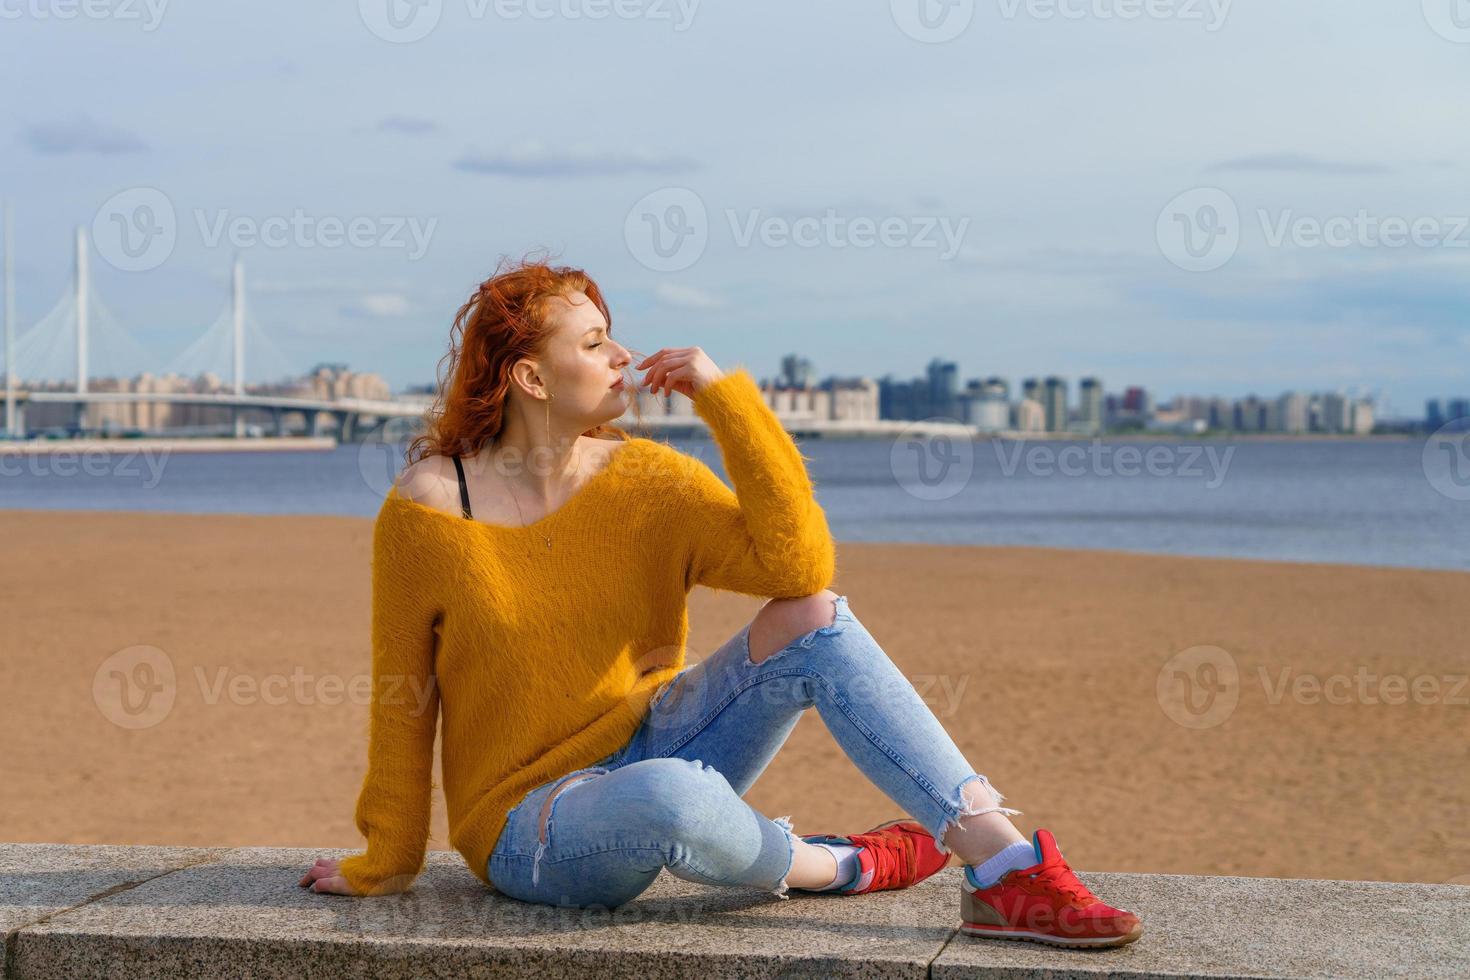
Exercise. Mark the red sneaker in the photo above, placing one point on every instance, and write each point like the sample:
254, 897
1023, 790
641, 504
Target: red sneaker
895, 854
1045, 903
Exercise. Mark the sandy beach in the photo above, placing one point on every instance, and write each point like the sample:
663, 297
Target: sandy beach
1160, 714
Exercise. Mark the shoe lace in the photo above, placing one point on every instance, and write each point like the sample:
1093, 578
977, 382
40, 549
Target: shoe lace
1057, 875
898, 870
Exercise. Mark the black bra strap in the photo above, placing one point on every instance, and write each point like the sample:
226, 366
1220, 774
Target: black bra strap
464, 491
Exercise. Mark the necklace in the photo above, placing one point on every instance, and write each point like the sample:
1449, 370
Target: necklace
513, 496
522, 516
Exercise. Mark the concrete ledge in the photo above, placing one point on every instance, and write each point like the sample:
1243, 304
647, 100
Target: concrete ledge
80, 911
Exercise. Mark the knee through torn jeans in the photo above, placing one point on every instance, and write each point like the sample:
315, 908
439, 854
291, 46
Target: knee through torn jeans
671, 796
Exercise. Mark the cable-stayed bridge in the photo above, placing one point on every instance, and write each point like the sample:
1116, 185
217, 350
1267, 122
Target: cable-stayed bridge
50, 375
60, 351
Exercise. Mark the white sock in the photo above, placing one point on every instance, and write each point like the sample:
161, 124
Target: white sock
847, 866
1021, 854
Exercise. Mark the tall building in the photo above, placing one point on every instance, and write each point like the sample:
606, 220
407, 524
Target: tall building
1090, 405
1250, 414
1362, 417
1031, 388
1291, 412
1137, 401
796, 372
854, 398
898, 399
1030, 416
1337, 412
944, 388
1433, 415
989, 414
1055, 403
996, 387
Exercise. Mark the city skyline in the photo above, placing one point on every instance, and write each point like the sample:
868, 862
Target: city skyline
1045, 149
1049, 393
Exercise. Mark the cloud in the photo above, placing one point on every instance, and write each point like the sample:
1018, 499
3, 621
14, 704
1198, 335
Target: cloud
533, 159
318, 285
408, 125
375, 306
686, 297
1298, 163
1429, 298
1067, 262
81, 135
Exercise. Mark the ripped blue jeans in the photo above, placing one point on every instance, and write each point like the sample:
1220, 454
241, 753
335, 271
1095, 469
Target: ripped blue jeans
671, 796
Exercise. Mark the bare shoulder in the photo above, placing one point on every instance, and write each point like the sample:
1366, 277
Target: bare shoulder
431, 481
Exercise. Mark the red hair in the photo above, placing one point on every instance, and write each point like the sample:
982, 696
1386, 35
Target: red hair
503, 321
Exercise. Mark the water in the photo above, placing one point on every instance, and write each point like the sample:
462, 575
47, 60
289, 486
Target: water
1368, 502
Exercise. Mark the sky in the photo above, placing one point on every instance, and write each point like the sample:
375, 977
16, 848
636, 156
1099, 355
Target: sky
1198, 196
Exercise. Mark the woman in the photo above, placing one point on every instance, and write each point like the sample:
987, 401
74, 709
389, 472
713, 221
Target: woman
531, 568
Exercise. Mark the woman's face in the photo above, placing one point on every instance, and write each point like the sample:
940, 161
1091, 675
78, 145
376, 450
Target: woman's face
584, 361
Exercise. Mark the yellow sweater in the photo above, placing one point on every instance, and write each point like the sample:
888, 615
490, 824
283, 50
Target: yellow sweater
544, 661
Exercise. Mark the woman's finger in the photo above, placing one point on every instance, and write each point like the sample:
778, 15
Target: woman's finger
659, 372
653, 357
333, 885
324, 867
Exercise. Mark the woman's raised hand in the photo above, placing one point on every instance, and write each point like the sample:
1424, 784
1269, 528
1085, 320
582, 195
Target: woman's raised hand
686, 370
